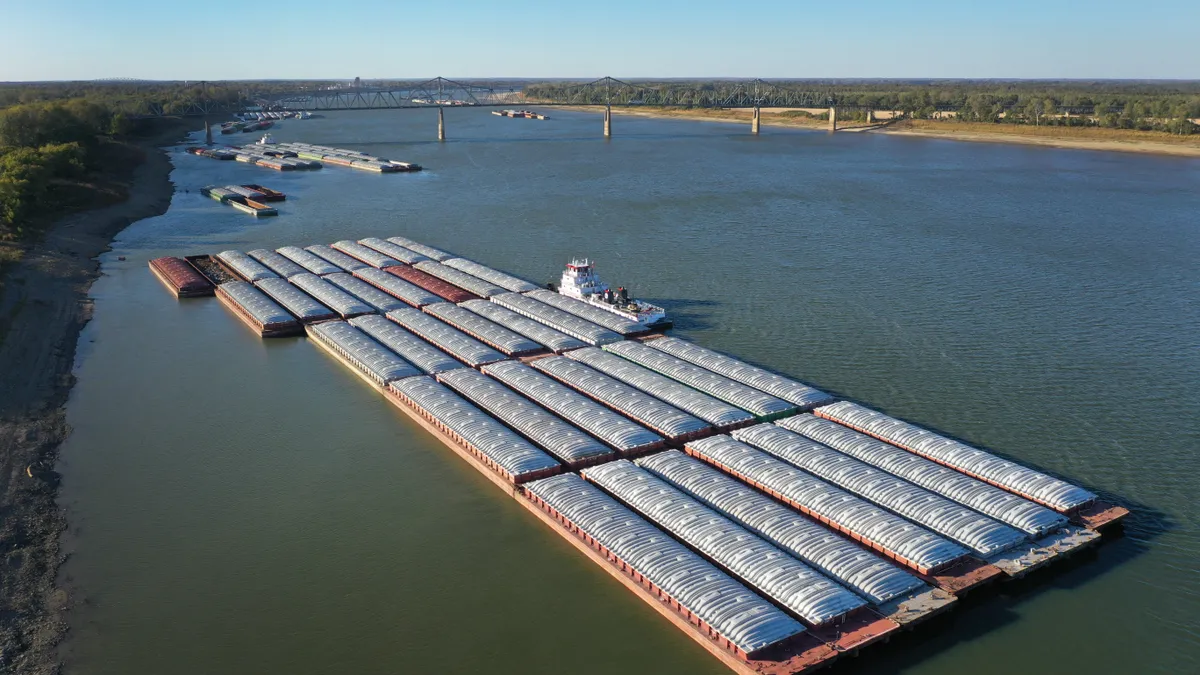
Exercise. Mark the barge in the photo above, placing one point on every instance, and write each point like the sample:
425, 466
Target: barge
184, 280
365, 254
267, 194
503, 340
471, 284
433, 253
672, 423
411, 348
562, 440
295, 301
561, 321
502, 279
619, 433
441, 335
380, 301
443, 289
308, 261
396, 287
553, 340
368, 359
277, 263
256, 310
396, 251
343, 304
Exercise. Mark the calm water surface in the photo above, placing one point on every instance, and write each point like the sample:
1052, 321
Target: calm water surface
241, 506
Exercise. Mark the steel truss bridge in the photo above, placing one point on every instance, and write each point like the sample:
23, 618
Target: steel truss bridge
442, 92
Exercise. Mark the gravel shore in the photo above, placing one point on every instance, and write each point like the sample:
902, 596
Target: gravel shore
45, 304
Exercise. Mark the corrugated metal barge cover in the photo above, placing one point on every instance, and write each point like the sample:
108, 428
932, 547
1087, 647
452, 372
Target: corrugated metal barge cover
908, 542
394, 250
276, 263
394, 285
777, 385
249, 268
557, 319
337, 258
581, 411
368, 255
762, 405
970, 528
435, 253
459, 344
714, 411
646, 409
256, 303
366, 292
420, 353
308, 261
367, 354
555, 341
778, 576
484, 289
1057, 494
991, 501
342, 302
486, 435
501, 279
295, 300
493, 334
529, 419
603, 317
860, 570
732, 610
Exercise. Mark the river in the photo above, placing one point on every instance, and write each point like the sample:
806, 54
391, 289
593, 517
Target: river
241, 506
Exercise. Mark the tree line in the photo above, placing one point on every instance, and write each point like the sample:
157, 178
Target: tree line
1164, 106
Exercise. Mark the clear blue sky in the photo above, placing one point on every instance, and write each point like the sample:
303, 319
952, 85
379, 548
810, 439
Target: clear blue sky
164, 39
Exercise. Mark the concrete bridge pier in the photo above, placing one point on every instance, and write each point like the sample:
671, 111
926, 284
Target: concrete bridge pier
441, 125
870, 116
755, 121
608, 121
207, 133
832, 118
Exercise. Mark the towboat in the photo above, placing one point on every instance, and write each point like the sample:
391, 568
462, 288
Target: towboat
580, 281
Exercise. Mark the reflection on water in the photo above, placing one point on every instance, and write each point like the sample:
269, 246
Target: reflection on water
240, 506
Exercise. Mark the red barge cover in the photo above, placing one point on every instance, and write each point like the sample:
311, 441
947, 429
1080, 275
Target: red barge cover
181, 277
432, 284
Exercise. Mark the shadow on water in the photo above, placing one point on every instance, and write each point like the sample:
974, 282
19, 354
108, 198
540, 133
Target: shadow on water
688, 314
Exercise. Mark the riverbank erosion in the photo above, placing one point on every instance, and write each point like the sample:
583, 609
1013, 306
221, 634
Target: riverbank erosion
43, 306
1079, 138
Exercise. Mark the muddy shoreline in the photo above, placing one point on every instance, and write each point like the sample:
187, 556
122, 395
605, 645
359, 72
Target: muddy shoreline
45, 304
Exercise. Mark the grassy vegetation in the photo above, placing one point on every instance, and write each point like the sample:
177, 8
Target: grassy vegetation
1085, 133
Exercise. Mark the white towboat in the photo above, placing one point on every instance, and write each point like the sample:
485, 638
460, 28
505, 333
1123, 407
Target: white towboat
580, 281
267, 139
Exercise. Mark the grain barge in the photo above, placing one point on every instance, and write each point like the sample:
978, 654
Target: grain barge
475, 285
544, 335
276, 263
345, 305
562, 440
512, 345
1048, 491
368, 359
262, 314
499, 448
295, 301
377, 299
396, 251
243, 266
433, 253
721, 415
308, 261
343, 262
673, 424
450, 340
561, 321
501, 279
364, 254
801, 395
802, 591
184, 280
443, 289
411, 348
396, 287
614, 322
760, 404
618, 433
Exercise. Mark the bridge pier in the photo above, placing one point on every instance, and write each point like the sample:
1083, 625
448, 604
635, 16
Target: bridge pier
832, 118
870, 116
755, 121
207, 133
441, 125
608, 121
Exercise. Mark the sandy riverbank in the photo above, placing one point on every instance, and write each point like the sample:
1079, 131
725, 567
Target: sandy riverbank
44, 304
1079, 138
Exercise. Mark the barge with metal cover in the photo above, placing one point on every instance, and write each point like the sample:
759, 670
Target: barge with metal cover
561, 321
184, 280
620, 434
308, 261
570, 445
471, 284
367, 358
441, 288
296, 301
513, 345
413, 349
445, 337
256, 310
396, 251
553, 340
396, 287
380, 301
344, 304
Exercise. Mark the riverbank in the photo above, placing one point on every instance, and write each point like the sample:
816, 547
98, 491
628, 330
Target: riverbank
1080, 138
43, 306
